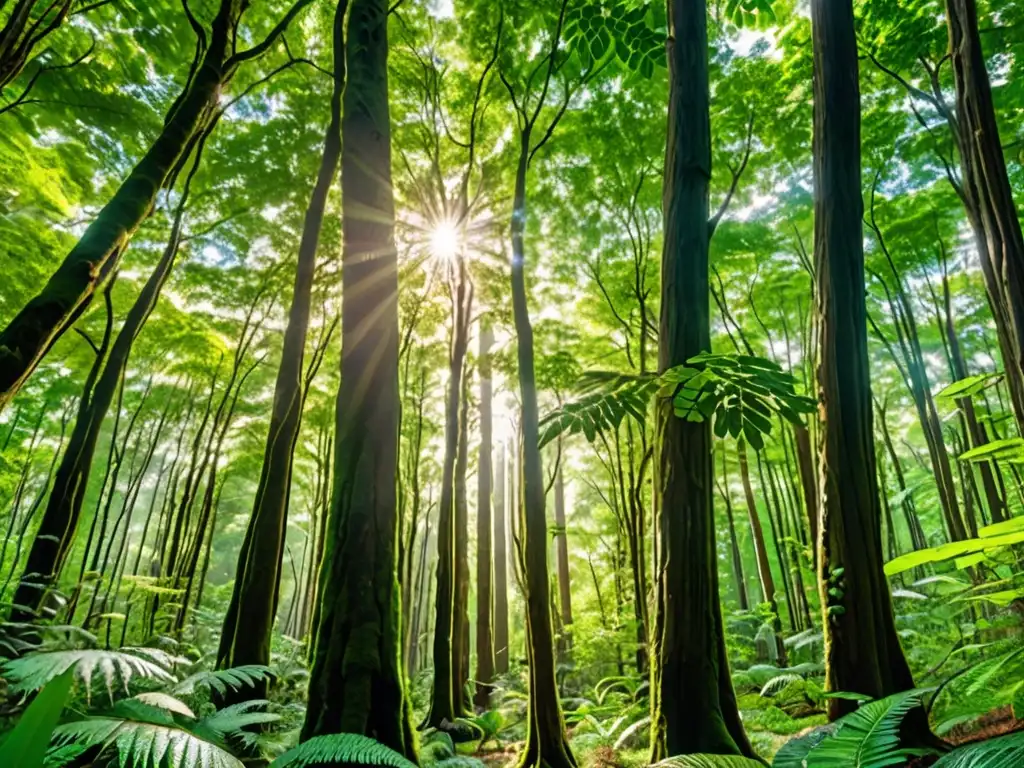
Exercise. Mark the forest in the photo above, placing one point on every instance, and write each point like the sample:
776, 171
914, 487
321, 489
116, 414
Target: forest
511, 383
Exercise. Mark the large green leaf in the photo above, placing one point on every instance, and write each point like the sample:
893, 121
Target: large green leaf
26, 745
708, 761
1002, 752
347, 748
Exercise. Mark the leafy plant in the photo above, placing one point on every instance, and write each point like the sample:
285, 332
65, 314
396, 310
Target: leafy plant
867, 738
32, 671
26, 745
341, 748
708, 761
1002, 752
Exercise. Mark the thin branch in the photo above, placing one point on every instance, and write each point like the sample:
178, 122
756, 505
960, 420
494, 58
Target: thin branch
737, 174
270, 39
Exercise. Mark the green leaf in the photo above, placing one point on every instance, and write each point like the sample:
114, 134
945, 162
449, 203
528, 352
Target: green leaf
26, 745
1002, 752
345, 748
708, 761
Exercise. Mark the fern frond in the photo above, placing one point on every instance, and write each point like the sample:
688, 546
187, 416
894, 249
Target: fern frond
708, 761
33, 671
869, 737
778, 683
145, 744
231, 720
1002, 752
334, 748
221, 680
166, 701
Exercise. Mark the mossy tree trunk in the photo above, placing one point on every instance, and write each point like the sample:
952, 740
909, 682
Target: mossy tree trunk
357, 684
249, 622
55, 535
484, 558
693, 707
862, 649
460, 631
986, 191
500, 567
94, 259
446, 699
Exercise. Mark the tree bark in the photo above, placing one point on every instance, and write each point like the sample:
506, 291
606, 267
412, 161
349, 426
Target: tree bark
987, 192
357, 684
248, 624
484, 558
862, 650
693, 707
93, 260
562, 557
500, 568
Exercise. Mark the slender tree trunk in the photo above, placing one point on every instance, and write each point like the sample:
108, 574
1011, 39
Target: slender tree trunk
734, 546
501, 585
562, 550
546, 743
357, 684
460, 632
484, 558
693, 706
93, 260
446, 701
862, 649
987, 192
249, 622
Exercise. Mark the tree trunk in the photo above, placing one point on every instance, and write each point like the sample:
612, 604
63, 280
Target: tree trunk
446, 701
734, 546
28, 337
862, 650
460, 632
562, 557
484, 559
500, 568
357, 684
987, 192
249, 621
693, 707
546, 743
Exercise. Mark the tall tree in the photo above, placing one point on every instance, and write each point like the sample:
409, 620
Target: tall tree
357, 683
500, 566
484, 559
94, 259
862, 649
986, 189
250, 617
693, 704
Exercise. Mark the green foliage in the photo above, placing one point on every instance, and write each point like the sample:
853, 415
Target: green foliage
601, 28
867, 738
33, 671
221, 680
741, 393
26, 745
140, 744
1002, 752
345, 748
970, 386
707, 761
745, 13
992, 539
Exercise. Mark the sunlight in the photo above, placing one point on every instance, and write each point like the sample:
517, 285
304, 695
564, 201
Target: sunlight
445, 241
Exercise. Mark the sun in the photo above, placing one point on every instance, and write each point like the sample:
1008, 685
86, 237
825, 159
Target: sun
445, 241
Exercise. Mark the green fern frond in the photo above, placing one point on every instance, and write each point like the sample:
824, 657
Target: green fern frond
166, 701
708, 761
33, 671
221, 680
342, 748
778, 683
141, 744
232, 720
1003, 752
869, 737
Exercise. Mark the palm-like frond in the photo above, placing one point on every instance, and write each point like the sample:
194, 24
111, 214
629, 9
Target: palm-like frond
33, 671
1003, 752
221, 680
342, 748
607, 399
232, 720
141, 744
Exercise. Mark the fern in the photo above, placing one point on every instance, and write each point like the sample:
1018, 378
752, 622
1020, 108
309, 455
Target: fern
141, 744
342, 748
1002, 752
30, 673
776, 685
867, 738
793, 752
708, 761
219, 681
233, 720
